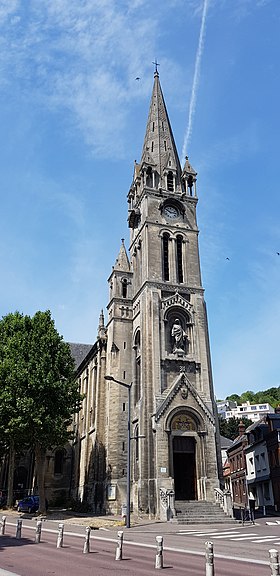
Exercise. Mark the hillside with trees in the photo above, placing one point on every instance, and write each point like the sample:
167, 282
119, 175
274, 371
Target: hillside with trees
271, 395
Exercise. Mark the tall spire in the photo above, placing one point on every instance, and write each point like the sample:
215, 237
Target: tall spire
159, 150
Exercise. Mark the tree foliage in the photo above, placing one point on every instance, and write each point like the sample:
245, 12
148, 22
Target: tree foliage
38, 389
271, 395
230, 428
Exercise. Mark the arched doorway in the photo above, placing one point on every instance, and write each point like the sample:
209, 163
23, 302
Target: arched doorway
184, 467
184, 456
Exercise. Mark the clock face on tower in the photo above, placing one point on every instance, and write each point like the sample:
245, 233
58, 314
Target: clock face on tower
171, 211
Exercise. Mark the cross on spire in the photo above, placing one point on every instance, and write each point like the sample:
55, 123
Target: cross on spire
156, 65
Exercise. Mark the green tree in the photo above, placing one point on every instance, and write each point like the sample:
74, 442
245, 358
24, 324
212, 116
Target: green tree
13, 381
271, 395
47, 378
230, 428
248, 396
234, 398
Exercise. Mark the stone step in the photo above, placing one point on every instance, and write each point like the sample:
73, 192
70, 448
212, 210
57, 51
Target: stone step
207, 520
204, 514
200, 512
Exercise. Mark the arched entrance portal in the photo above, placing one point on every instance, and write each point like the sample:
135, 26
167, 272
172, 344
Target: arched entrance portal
184, 468
184, 457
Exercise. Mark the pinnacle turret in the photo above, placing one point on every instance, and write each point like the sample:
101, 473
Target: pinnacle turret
122, 262
101, 326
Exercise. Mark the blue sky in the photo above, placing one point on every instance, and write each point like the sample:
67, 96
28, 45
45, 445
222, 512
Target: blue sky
73, 119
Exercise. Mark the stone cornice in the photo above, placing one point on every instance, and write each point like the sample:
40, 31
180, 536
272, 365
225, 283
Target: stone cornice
163, 286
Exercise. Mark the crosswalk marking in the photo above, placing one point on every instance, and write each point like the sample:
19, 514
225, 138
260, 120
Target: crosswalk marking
265, 538
249, 535
190, 531
234, 534
256, 537
207, 533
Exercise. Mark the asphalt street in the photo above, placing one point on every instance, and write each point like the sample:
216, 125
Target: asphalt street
235, 547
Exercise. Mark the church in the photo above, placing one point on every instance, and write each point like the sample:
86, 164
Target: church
147, 382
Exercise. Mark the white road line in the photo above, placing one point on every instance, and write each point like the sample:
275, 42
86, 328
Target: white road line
5, 573
256, 538
189, 532
217, 534
231, 536
265, 539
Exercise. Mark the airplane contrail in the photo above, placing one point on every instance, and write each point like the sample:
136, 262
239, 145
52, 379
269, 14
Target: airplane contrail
195, 80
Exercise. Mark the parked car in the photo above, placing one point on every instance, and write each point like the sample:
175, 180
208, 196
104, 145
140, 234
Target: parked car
29, 504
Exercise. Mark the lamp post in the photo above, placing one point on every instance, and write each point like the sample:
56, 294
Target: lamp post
128, 387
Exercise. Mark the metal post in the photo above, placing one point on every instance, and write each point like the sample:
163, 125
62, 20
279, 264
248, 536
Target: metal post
86, 544
128, 460
209, 555
274, 562
119, 545
18, 529
159, 554
59, 543
3, 525
38, 532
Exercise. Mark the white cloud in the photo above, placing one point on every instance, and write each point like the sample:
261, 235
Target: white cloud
82, 57
7, 8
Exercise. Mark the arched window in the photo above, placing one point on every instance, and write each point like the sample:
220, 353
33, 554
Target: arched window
190, 185
124, 288
136, 434
179, 244
137, 388
149, 177
58, 461
165, 254
170, 182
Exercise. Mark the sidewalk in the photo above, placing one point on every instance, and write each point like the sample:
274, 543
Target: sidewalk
117, 522
81, 519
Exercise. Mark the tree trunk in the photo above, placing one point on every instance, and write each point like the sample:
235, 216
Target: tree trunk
11, 471
40, 458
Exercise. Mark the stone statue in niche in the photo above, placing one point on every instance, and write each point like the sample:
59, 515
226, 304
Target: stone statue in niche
179, 337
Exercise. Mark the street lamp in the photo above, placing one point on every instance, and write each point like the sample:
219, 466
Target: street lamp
128, 387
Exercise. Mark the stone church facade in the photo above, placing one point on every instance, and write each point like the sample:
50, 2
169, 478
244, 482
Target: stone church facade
156, 340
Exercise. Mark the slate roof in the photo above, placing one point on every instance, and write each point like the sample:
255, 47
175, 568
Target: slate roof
79, 352
225, 442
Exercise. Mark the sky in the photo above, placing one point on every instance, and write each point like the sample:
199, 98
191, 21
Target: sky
73, 119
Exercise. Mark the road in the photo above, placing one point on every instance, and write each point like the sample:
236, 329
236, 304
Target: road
183, 550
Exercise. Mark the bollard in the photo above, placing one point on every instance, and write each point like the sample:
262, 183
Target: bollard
38, 532
59, 543
274, 562
18, 529
87, 537
159, 554
209, 555
3, 525
119, 545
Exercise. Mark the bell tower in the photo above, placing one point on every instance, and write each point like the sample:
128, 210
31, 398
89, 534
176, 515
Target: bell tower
174, 410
